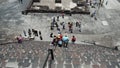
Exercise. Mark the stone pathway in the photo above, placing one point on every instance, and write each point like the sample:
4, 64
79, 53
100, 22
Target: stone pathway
32, 54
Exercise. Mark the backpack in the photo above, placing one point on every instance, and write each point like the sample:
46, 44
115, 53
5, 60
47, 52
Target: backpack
60, 42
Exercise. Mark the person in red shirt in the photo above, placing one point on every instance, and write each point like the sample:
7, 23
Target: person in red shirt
73, 39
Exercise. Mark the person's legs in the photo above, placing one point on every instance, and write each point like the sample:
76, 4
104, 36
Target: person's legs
66, 44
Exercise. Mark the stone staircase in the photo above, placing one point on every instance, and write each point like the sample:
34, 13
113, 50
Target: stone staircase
32, 54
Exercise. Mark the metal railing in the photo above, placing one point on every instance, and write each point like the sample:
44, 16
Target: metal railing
50, 54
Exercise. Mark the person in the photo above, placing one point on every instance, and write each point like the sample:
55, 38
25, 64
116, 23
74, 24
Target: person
73, 39
60, 43
60, 36
54, 19
52, 26
24, 33
41, 38
93, 14
63, 25
70, 27
39, 32
29, 32
65, 40
57, 18
36, 33
106, 2
55, 41
62, 15
77, 24
51, 35
19, 39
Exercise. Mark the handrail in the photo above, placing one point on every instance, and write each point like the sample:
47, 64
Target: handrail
50, 52
113, 48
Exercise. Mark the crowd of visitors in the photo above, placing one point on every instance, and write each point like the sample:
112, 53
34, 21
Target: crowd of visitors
56, 23
32, 33
61, 40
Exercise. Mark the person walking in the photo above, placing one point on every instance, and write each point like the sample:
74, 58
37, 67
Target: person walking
51, 35
24, 33
57, 18
79, 26
54, 19
41, 38
62, 15
29, 32
52, 26
70, 25
63, 25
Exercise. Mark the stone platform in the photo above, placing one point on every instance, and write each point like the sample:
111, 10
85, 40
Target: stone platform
32, 54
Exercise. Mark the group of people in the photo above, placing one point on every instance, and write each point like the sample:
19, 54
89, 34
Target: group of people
61, 40
35, 33
55, 23
30, 32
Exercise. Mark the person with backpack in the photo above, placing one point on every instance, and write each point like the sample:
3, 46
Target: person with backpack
59, 42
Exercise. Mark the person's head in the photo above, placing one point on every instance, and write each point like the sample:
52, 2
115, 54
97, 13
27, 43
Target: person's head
65, 35
73, 36
54, 36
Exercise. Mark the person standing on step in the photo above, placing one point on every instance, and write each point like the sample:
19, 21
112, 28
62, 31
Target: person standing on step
79, 26
55, 41
65, 40
73, 39
19, 39
39, 32
70, 25
36, 33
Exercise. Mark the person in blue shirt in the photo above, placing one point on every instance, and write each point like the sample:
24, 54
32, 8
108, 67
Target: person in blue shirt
65, 40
